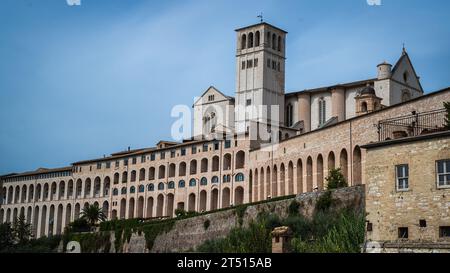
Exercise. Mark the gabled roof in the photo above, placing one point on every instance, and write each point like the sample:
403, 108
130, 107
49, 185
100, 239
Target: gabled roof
215, 89
405, 56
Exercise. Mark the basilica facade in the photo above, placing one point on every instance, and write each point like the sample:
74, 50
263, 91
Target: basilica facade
225, 163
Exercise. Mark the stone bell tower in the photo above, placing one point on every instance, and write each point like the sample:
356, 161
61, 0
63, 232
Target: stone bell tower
260, 75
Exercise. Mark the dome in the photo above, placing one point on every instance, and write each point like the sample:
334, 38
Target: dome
368, 90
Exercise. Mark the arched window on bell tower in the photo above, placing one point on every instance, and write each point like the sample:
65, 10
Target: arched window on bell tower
243, 41
257, 38
250, 40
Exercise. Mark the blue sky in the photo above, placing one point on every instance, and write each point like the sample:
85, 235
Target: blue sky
78, 82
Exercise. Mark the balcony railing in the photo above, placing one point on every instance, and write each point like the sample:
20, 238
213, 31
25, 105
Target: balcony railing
412, 125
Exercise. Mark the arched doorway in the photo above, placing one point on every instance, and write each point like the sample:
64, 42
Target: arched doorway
239, 196
203, 200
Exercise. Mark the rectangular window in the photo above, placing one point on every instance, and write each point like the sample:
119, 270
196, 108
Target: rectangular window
403, 233
216, 146
243, 65
402, 174
99, 166
443, 173
255, 61
249, 63
268, 63
205, 147
194, 150
183, 151
152, 157
117, 164
108, 165
134, 160
125, 162
444, 232
172, 154
227, 144
211, 98
163, 155
248, 102
274, 65
143, 159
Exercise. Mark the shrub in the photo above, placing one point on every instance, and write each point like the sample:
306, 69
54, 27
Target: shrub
324, 202
336, 179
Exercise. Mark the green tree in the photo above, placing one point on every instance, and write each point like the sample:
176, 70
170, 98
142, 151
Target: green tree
93, 214
6, 236
447, 115
336, 179
22, 230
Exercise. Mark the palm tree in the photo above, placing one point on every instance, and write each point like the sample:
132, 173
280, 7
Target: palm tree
93, 214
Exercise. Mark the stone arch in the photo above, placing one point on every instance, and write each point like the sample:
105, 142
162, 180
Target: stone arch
151, 173
268, 183
51, 220
116, 178
97, 186
262, 195
238, 196
257, 38
62, 190
114, 214
105, 209
215, 163
256, 186
68, 214
331, 161
46, 192
250, 186
140, 207
87, 188
8, 215
290, 178
106, 186
182, 169
243, 41
282, 180
275, 181
23, 194
29, 214
43, 221
170, 205
124, 177
59, 219
203, 197
227, 162
53, 191
77, 211
35, 224
319, 173
191, 202
193, 167
133, 176
240, 160
274, 41
214, 199
123, 206
149, 207
172, 170
131, 208
142, 174
343, 162
250, 40
159, 205
357, 170
309, 174
162, 172
225, 197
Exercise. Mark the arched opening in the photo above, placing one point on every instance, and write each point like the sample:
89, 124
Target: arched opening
269, 37
162, 172
331, 162
239, 196
215, 164
282, 180
43, 220
106, 186
114, 214
257, 38
159, 205
53, 194
29, 215
225, 198
290, 178
191, 202
116, 178
2, 212
10, 194
182, 169
8, 215
268, 183
250, 40
227, 162
51, 220
59, 219
274, 41
250, 186
142, 174
133, 176
105, 209
131, 208
202, 201
35, 221
87, 188
23, 195
320, 172
279, 43
214, 199
243, 41
77, 211
79, 188
123, 207
97, 187
256, 186
364, 107
309, 175
204, 165
357, 177
150, 207
124, 177
289, 115
68, 214
46, 192
172, 170
151, 173
275, 181
193, 167
262, 195
240, 160
170, 203
344, 163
